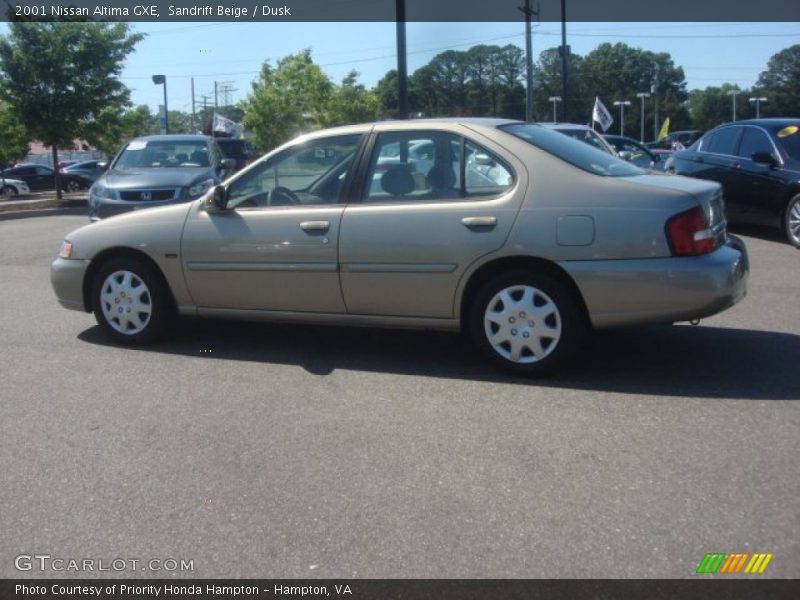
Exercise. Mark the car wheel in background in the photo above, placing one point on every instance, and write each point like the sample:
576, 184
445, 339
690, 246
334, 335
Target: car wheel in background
130, 301
527, 323
791, 221
72, 185
9, 191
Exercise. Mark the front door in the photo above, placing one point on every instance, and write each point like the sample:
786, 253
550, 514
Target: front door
275, 248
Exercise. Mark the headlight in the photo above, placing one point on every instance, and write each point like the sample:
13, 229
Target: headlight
66, 249
198, 189
98, 192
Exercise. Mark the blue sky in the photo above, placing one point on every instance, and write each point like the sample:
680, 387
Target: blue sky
710, 53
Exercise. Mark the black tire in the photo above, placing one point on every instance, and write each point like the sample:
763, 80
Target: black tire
10, 191
791, 221
129, 326
72, 185
539, 329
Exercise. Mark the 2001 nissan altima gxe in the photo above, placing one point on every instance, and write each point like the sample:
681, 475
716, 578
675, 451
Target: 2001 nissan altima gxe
520, 235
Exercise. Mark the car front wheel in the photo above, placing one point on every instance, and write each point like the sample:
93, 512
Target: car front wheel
792, 221
130, 302
72, 185
527, 323
10, 191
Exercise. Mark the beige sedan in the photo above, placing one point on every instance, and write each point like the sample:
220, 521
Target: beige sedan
522, 236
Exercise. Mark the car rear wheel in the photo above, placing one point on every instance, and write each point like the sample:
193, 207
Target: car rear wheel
72, 185
527, 323
792, 221
130, 302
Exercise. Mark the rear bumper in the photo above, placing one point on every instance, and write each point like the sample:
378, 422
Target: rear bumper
628, 292
66, 276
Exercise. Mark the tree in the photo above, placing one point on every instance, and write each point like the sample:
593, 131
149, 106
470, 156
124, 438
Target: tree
780, 83
547, 75
713, 105
286, 100
58, 77
349, 102
14, 144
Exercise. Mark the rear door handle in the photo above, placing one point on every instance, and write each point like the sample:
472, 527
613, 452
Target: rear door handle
479, 222
315, 225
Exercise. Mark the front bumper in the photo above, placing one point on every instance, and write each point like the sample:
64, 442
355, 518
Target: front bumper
658, 290
66, 276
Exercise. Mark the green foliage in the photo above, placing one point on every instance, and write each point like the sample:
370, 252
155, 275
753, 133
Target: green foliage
59, 78
296, 96
713, 105
780, 84
14, 140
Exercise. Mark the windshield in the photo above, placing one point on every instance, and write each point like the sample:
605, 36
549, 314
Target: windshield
159, 154
579, 154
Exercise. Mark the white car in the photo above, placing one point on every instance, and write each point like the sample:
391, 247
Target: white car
13, 187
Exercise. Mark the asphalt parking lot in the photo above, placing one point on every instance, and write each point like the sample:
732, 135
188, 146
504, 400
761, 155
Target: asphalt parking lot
275, 451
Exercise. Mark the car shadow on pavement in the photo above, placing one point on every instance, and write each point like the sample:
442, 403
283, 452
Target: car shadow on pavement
680, 360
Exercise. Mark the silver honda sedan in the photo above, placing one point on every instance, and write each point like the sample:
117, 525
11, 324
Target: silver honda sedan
519, 235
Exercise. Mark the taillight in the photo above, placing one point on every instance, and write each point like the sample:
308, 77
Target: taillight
689, 233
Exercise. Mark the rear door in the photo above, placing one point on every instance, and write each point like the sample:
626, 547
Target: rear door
421, 222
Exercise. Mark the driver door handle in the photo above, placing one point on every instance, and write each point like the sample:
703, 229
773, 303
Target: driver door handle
315, 225
479, 222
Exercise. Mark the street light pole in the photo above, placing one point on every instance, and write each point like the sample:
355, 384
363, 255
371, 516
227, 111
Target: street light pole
733, 94
758, 102
622, 104
555, 100
162, 80
529, 12
642, 96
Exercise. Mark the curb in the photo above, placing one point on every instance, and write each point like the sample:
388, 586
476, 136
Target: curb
10, 215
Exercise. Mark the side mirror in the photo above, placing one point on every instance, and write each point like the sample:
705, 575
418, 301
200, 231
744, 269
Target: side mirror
220, 197
765, 158
625, 154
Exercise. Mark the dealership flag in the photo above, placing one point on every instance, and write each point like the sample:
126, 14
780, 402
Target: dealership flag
224, 125
664, 130
601, 115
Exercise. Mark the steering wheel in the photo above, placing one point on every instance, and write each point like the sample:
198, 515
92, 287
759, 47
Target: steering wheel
283, 196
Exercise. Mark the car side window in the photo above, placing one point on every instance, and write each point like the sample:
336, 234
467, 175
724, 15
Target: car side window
42, 171
754, 140
432, 166
305, 174
723, 141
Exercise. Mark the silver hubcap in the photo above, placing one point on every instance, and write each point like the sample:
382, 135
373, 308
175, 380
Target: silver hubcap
793, 224
126, 302
522, 324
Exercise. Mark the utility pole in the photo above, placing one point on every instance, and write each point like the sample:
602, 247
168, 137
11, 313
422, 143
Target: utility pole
528, 12
757, 102
194, 128
654, 91
216, 103
564, 56
733, 94
402, 66
642, 96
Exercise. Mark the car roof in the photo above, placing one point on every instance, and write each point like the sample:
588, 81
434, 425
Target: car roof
177, 137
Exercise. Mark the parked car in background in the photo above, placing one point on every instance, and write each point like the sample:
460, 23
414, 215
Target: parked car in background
158, 170
583, 133
635, 152
757, 162
90, 169
677, 140
39, 177
13, 187
569, 239
236, 149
